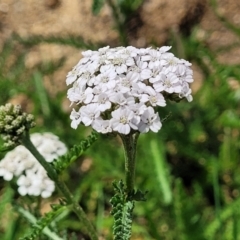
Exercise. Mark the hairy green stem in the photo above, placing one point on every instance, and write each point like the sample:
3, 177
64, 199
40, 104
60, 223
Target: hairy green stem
130, 145
61, 185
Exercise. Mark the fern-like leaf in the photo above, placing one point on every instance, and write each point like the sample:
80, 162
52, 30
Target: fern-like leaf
74, 153
122, 213
45, 221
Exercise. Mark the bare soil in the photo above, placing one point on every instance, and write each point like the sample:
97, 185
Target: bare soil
154, 22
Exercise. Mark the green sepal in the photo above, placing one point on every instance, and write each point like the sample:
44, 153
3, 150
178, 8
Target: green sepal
137, 195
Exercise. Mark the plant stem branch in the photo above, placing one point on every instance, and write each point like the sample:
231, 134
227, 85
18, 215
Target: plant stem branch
61, 185
130, 145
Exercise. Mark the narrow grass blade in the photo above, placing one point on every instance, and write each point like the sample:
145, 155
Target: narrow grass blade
159, 160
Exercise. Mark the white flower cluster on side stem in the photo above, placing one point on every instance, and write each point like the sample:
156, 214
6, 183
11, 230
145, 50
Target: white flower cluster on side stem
32, 178
118, 89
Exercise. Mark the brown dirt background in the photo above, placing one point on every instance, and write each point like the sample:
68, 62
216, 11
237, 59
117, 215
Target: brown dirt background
155, 21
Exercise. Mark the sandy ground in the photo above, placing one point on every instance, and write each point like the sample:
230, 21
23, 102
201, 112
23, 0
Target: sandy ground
155, 21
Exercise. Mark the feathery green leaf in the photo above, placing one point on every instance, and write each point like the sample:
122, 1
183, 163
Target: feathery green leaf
74, 153
122, 213
45, 221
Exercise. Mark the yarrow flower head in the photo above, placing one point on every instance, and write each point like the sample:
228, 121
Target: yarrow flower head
32, 178
119, 89
13, 123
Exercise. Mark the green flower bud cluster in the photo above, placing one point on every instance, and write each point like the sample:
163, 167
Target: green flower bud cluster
13, 123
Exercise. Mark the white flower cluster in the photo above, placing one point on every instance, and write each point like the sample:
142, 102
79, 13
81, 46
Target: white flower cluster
32, 178
118, 89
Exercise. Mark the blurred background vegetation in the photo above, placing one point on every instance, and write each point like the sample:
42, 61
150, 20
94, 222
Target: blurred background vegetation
191, 168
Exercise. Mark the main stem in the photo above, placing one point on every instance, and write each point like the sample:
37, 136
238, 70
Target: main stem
62, 186
130, 145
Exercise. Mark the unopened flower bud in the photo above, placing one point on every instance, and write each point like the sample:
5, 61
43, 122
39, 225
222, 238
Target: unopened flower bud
8, 107
8, 128
17, 110
8, 119
14, 122
9, 144
30, 118
20, 130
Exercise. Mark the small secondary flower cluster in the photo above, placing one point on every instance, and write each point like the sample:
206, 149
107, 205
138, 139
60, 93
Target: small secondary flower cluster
32, 177
118, 89
13, 123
